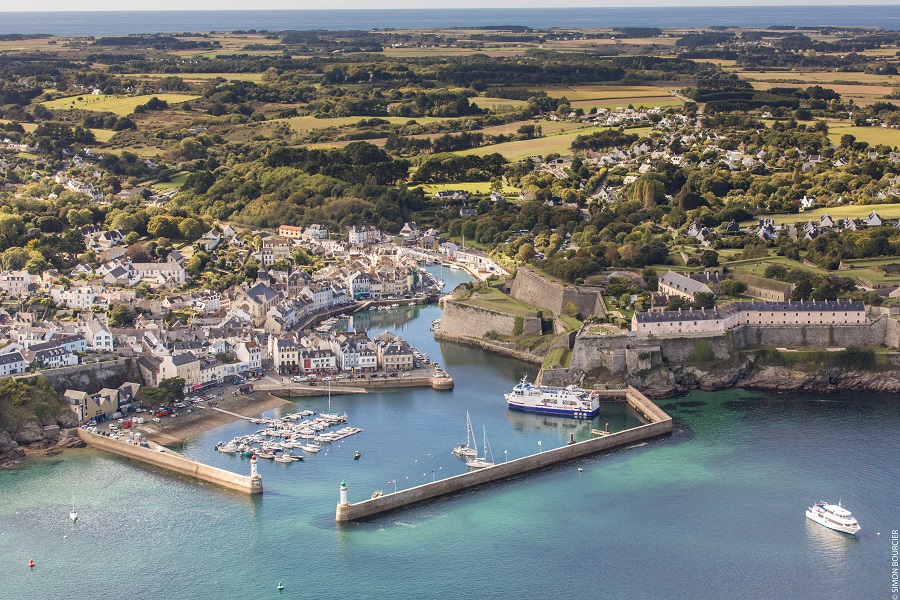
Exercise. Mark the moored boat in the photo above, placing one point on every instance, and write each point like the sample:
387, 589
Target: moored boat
833, 516
571, 401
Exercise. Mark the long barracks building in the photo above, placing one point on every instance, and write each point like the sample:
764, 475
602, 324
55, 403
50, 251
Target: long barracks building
737, 314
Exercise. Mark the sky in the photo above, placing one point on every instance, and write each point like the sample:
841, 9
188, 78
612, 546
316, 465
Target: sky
92, 5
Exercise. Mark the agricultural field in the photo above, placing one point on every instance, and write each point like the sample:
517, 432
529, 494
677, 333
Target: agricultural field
173, 184
120, 105
310, 123
862, 94
201, 77
646, 102
559, 143
453, 51
498, 104
602, 92
872, 135
817, 77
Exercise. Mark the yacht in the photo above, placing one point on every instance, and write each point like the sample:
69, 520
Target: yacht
470, 448
833, 516
482, 462
571, 401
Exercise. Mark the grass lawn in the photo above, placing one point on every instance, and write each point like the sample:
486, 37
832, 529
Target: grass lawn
558, 357
560, 143
472, 187
103, 135
571, 322
856, 211
175, 183
120, 105
873, 135
494, 299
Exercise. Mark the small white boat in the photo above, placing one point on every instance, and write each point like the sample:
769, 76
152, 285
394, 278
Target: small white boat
284, 458
74, 514
228, 448
312, 448
833, 516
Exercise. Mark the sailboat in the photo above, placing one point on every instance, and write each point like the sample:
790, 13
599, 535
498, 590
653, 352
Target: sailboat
482, 462
440, 282
470, 448
73, 515
329, 416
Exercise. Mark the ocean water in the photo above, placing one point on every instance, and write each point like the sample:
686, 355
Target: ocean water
122, 22
715, 510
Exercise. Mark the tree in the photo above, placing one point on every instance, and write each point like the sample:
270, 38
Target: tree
11, 229
163, 226
704, 300
570, 309
191, 229
120, 315
168, 391
651, 279
678, 303
733, 287
14, 259
709, 258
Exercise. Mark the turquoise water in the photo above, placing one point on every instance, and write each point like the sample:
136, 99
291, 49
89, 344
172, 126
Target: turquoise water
715, 510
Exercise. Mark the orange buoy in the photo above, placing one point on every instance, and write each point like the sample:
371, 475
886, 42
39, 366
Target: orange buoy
31, 563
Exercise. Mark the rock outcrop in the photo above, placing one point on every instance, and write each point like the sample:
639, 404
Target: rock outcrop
9, 449
29, 433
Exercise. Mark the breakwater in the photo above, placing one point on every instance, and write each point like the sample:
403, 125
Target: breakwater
660, 424
175, 463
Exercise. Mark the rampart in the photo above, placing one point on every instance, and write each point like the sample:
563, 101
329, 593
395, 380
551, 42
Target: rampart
174, 463
660, 424
536, 290
473, 321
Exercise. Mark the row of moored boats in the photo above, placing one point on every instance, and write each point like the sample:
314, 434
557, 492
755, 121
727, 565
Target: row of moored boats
283, 435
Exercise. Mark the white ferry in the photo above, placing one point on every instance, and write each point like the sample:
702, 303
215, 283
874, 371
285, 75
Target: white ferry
571, 401
833, 517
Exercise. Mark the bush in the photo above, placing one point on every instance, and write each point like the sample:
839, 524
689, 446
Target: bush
702, 353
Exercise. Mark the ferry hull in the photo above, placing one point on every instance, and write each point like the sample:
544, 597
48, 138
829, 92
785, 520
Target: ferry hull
580, 414
813, 516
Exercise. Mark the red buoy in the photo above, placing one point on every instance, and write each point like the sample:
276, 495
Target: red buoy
31, 563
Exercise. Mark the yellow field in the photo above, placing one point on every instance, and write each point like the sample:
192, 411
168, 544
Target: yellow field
560, 143
103, 135
480, 188
602, 92
120, 105
860, 93
813, 77
649, 102
872, 135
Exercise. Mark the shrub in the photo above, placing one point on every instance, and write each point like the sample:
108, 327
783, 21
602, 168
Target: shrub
519, 326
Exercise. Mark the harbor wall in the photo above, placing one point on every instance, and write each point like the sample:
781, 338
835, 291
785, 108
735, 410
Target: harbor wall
174, 463
660, 424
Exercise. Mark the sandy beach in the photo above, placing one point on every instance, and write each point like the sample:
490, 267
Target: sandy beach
187, 425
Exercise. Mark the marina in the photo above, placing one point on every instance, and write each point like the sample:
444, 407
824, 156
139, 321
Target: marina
727, 448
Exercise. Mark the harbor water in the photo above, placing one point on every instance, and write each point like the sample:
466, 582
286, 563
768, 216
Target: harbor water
714, 510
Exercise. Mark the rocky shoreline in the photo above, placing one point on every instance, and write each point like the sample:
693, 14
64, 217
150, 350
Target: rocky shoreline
33, 439
664, 383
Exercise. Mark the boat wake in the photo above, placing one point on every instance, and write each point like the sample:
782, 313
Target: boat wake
402, 524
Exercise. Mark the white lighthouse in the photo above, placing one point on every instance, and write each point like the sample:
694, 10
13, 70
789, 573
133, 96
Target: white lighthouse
253, 471
344, 500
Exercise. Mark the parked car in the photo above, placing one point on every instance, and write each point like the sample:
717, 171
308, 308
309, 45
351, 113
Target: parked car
156, 420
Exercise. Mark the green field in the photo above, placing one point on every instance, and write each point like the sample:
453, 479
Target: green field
560, 143
310, 123
498, 104
494, 299
120, 105
651, 102
886, 211
175, 183
872, 135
